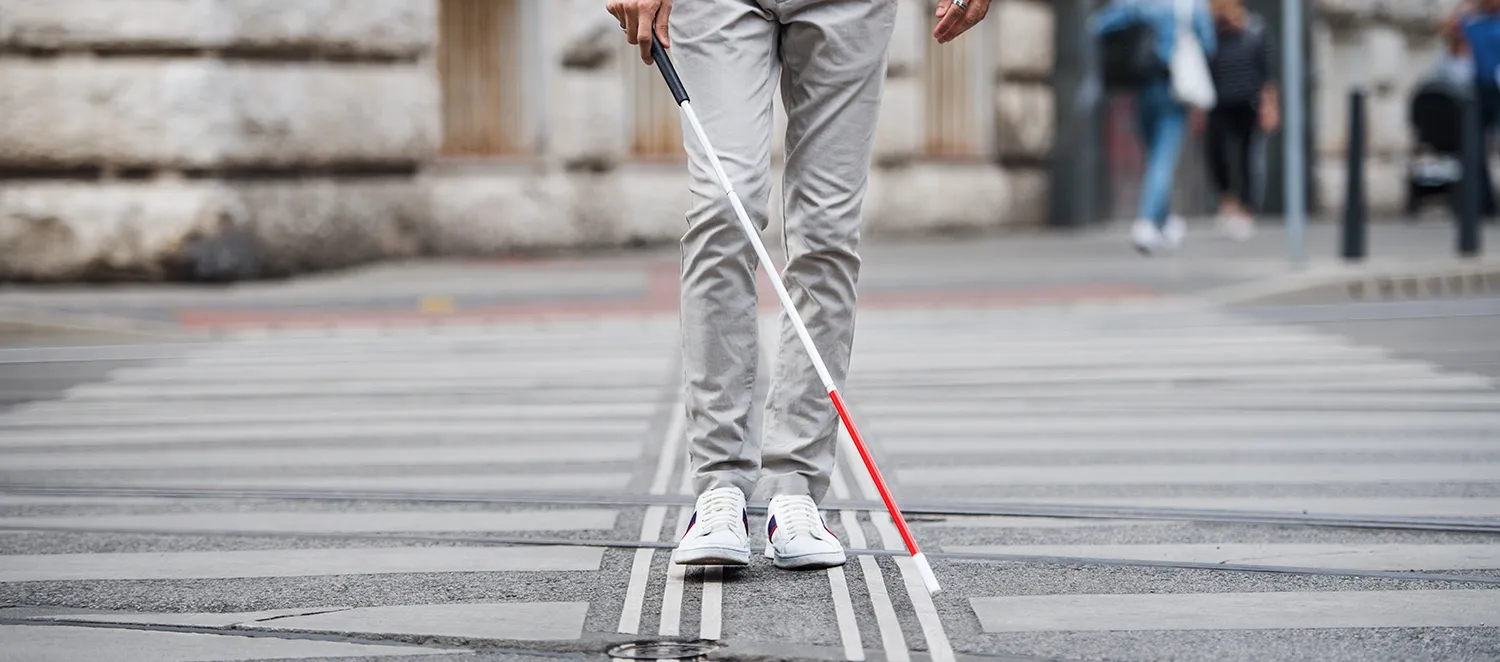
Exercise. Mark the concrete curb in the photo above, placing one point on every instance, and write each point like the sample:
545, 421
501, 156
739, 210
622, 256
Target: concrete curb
1343, 283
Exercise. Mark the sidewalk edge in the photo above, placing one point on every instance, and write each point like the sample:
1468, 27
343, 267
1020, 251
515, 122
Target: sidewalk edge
1367, 282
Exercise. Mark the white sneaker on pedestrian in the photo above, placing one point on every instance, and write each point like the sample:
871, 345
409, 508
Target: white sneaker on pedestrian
1174, 232
797, 538
718, 533
1146, 236
1237, 227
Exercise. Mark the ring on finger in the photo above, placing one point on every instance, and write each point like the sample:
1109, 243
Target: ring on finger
961, 4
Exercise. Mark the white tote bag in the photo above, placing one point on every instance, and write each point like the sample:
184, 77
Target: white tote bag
1192, 84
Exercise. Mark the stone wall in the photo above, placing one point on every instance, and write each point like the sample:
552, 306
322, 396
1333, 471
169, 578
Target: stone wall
211, 139
231, 139
586, 190
1385, 47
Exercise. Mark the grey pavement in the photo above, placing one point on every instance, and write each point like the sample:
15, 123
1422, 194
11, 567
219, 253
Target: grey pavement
1204, 465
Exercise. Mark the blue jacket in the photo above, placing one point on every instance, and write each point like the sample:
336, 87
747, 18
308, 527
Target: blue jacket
1482, 31
1162, 15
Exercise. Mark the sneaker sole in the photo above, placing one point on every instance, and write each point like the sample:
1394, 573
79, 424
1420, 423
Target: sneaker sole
809, 561
711, 556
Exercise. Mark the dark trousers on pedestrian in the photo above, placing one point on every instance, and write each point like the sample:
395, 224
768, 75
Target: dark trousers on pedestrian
1235, 146
1488, 97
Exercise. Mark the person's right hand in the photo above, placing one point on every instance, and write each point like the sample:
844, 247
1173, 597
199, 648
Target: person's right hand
640, 18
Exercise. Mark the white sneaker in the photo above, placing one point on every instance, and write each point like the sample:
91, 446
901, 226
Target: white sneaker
1174, 232
718, 533
1145, 236
797, 538
1238, 228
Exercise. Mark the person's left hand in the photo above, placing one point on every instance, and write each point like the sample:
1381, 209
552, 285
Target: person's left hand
954, 20
1270, 118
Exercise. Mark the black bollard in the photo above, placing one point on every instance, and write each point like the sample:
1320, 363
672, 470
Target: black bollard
1355, 209
1473, 152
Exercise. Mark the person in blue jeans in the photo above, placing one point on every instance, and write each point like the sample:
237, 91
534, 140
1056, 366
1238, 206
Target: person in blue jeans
1161, 120
1477, 23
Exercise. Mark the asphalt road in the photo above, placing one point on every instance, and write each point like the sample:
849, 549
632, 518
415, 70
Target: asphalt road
1137, 480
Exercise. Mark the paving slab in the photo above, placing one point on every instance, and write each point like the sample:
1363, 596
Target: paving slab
1241, 611
524, 621
54, 643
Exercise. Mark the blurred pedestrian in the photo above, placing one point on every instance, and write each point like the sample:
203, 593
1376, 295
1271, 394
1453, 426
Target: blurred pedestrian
1477, 22
1161, 115
1248, 110
829, 59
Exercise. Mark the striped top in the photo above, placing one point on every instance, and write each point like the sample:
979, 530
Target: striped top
1242, 65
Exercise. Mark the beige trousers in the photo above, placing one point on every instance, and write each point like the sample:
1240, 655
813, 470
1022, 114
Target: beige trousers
829, 57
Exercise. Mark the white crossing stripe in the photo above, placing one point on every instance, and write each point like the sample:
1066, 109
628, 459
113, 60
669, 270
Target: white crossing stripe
929, 446
651, 524
294, 563
892, 640
1006, 522
498, 414
940, 649
314, 431
80, 500
671, 597
964, 402
1442, 383
1379, 557
491, 367
1168, 372
1482, 424
1290, 473
1096, 356
438, 483
411, 521
518, 400
1389, 506
711, 614
326, 456
354, 387
1239, 611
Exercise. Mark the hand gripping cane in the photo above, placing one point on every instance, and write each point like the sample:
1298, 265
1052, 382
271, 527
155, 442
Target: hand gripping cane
664, 63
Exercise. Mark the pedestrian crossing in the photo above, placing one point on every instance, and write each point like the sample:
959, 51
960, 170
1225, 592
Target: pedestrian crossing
1174, 406
1183, 408
515, 410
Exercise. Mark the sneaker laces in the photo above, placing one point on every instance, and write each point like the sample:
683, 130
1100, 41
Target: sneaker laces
797, 515
720, 509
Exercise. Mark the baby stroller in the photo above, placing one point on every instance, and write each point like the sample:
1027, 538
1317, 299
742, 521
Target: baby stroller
1436, 167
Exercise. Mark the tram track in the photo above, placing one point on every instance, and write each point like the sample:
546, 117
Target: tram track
916, 508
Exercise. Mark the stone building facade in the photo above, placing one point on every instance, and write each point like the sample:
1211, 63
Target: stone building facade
1385, 47
232, 139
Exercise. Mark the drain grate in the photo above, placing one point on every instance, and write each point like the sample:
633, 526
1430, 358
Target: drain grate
662, 650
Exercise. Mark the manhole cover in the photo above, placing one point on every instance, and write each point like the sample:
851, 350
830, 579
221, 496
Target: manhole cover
662, 650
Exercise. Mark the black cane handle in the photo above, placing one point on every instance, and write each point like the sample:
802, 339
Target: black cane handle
668, 72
